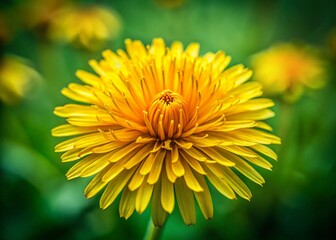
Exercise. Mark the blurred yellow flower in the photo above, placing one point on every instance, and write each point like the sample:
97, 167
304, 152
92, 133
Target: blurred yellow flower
88, 26
16, 78
38, 14
287, 70
158, 121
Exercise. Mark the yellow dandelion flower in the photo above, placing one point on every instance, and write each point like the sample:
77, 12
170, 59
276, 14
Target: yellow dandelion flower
16, 78
87, 26
38, 14
161, 124
287, 70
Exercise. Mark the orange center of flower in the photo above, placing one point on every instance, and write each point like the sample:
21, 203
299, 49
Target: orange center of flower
168, 115
167, 96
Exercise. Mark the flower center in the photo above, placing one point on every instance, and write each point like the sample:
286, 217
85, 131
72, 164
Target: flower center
168, 115
167, 96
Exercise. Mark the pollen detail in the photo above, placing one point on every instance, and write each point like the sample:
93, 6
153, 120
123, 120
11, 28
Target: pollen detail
167, 96
168, 115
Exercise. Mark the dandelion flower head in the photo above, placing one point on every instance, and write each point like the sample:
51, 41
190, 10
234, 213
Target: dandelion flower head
161, 124
16, 79
86, 26
288, 70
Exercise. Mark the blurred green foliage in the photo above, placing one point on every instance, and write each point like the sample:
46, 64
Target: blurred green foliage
298, 199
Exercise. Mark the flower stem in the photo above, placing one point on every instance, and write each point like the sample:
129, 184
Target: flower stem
152, 232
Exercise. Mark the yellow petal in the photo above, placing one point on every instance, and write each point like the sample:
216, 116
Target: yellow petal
154, 174
251, 115
128, 151
159, 215
69, 130
194, 153
253, 105
236, 124
183, 144
167, 193
242, 77
214, 154
174, 154
257, 136
239, 150
143, 196
76, 169
81, 93
193, 163
218, 60
88, 78
237, 185
135, 49
109, 147
95, 185
136, 180
263, 125
114, 170
247, 91
176, 49
246, 169
95, 167
148, 164
90, 140
97, 68
113, 59
259, 161
70, 143
139, 156
192, 50
122, 135
190, 179
127, 203
158, 47
215, 176
114, 188
230, 139
265, 150
185, 201
204, 198
178, 168
71, 155
209, 140
169, 169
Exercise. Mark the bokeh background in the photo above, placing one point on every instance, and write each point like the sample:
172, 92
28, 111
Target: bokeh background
37, 202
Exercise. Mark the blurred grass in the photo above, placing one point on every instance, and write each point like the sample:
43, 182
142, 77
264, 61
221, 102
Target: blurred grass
298, 199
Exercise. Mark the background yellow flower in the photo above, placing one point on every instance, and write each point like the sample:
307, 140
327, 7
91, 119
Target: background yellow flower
16, 79
289, 70
87, 26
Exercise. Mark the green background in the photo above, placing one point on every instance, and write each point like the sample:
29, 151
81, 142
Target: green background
298, 199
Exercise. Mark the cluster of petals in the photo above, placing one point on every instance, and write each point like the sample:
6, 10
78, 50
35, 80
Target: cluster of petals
163, 125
